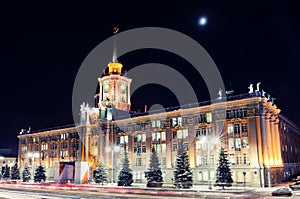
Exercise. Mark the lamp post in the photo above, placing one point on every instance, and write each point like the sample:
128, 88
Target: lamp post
32, 155
114, 148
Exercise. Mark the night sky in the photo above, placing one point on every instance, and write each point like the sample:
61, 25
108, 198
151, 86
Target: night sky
42, 46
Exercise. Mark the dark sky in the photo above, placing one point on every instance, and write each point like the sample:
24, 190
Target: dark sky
42, 46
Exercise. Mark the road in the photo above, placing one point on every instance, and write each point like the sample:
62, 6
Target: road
34, 193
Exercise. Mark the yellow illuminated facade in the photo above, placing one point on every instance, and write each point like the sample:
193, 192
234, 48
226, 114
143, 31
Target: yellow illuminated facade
258, 139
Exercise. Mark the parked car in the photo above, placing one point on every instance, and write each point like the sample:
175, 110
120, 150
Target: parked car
286, 191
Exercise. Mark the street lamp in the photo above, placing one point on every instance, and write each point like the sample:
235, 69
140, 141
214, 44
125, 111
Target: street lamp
32, 155
114, 148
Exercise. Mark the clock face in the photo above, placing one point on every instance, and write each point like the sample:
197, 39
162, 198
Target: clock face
106, 87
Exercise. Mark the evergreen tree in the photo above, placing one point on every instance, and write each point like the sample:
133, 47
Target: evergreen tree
15, 173
26, 176
40, 175
154, 174
6, 172
125, 175
183, 176
223, 173
100, 174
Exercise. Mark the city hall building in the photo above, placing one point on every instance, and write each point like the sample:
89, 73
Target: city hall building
263, 146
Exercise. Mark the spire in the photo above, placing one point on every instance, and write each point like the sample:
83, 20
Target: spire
115, 67
114, 58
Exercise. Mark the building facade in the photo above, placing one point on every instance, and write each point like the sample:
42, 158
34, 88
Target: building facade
260, 141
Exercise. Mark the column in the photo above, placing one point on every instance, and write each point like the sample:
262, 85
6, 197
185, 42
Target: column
274, 146
191, 144
128, 93
278, 144
264, 140
259, 141
169, 148
269, 141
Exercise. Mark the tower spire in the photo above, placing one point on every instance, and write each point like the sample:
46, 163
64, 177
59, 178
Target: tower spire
115, 67
114, 58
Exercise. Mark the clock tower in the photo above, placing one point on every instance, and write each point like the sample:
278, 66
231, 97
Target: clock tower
115, 86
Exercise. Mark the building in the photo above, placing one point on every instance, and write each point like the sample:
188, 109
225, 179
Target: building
263, 146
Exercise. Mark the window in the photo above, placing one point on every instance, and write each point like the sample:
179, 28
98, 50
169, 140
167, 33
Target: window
238, 159
156, 136
24, 148
179, 134
174, 147
179, 120
139, 137
208, 117
174, 122
209, 131
185, 133
186, 146
211, 160
139, 162
153, 123
198, 132
158, 123
198, 145
203, 131
44, 147
143, 149
237, 129
63, 136
202, 117
123, 139
174, 134
229, 114
231, 158
238, 143
245, 142
230, 129
204, 160
144, 138
230, 143
244, 128
198, 160
163, 136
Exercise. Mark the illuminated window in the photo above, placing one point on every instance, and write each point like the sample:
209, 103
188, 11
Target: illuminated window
204, 160
163, 136
158, 123
245, 142
238, 143
203, 131
208, 117
230, 143
238, 159
179, 120
179, 134
209, 131
198, 145
153, 123
231, 158
144, 138
230, 129
185, 133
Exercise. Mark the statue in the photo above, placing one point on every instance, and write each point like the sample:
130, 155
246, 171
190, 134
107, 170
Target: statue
269, 97
273, 99
263, 93
229, 92
250, 88
82, 107
220, 94
257, 87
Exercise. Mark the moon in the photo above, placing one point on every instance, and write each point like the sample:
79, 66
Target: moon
202, 21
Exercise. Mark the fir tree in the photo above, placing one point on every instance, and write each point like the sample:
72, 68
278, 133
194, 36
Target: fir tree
26, 176
125, 175
154, 174
15, 173
223, 174
40, 175
100, 174
6, 172
183, 176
